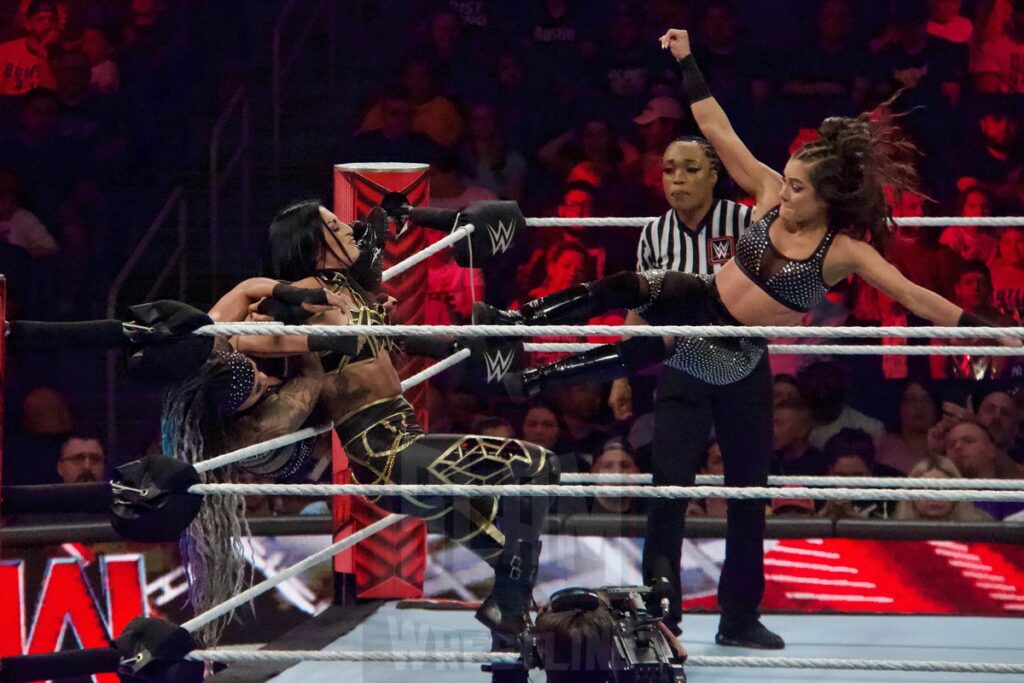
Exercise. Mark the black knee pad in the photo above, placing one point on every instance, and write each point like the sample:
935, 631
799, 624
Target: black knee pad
624, 289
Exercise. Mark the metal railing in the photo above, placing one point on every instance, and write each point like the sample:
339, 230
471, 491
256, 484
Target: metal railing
281, 64
174, 208
221, 174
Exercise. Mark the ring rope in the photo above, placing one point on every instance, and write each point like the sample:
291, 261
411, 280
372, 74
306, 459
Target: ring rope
708, 331
435, 369
235, 656
819, 481
639, 221
427, 252
613, 491
200, 620
261, 447
832, 349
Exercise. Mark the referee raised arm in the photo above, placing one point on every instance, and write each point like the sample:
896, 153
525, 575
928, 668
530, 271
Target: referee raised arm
697, 235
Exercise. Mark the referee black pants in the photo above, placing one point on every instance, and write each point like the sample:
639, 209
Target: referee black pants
685, 410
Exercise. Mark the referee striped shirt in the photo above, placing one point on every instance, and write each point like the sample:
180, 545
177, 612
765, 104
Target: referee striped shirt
668, 244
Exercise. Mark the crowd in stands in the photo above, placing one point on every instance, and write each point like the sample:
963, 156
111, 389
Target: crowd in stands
566, 106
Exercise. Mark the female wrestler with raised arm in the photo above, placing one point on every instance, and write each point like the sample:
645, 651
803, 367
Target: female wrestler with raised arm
820, 222
309, 247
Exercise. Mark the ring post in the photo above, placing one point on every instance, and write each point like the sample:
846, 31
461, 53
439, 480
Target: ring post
390, 564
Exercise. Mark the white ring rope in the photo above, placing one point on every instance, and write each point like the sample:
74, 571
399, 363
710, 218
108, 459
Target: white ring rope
639, 221
708, 331
261, 447
435, 369
234, 656
200, 620
797, 480
612, 491
427, 252
831, 349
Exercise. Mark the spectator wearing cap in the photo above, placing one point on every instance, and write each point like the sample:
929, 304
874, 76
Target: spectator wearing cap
616, 458
24, 61
658, 124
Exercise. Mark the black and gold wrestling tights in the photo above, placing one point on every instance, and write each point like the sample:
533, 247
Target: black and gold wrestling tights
385, 445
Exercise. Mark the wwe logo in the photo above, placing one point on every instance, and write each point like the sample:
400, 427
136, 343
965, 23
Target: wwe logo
499, 364
721, 249
501, 236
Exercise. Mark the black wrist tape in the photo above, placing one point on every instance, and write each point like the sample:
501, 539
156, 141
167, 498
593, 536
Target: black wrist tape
298, 295
694, 85
289, 314
970, 320
346, 346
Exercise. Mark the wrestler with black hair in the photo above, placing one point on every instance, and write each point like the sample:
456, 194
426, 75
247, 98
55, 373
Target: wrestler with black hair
361, 392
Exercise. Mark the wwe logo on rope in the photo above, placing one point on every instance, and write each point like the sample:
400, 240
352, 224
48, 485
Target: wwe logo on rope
501, 236
499, 364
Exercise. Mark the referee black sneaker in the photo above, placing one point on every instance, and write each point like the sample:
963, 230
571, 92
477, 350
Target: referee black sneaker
753, 635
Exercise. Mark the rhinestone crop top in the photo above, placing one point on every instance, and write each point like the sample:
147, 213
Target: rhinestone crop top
797, 284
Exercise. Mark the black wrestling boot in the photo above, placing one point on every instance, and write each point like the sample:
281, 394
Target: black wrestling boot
506, 611
753, 635
601, 364
573, 305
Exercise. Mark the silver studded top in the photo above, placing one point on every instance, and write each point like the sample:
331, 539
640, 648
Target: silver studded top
795, 283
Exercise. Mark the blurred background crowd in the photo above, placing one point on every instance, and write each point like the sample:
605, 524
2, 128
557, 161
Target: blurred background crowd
566, 107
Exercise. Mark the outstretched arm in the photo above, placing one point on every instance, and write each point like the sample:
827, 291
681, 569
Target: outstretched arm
753, 176
853, 257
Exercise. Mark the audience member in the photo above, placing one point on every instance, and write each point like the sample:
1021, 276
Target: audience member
851, 453
659, 125
945, 21
972, 243
616, 458
394, 140
450, 187
104, 76
432, 114
626, 62
728, 62
827, 75
45, 422
1000, 414
579, 404
18, 226
784, 389
493, 426
823, 386
1008, 272
930, 67
973, 292
576, 645
712, 465
995, 161
998, 63
24, 61
794, 454
900, 450
456, 60
81, 459
938, 510
916, 252
540, 426
492, 163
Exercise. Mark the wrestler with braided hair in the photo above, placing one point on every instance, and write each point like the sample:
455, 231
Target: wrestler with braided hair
360, 390
821, 221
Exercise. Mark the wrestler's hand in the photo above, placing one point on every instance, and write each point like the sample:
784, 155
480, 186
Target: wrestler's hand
390, 303
677, 41
334, 302
620, 400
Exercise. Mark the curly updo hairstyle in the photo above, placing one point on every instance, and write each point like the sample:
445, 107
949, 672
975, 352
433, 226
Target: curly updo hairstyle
850, 166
